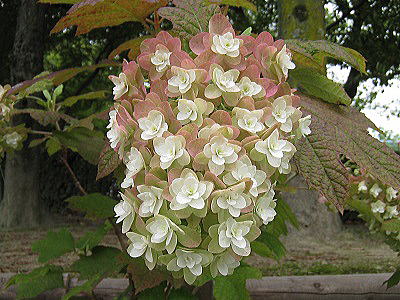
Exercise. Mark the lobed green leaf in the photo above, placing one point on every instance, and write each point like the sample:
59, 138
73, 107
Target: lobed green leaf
317, 51
233, 287
87, 96
103, 260
39, 280
54, 245
96, 206
93, 238
314, 84
88, 143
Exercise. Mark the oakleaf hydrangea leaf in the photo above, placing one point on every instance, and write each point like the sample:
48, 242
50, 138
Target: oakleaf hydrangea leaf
103, 260
318, 50
233, 287
90, 14
38, 281
337, 130
54, 245
189, 17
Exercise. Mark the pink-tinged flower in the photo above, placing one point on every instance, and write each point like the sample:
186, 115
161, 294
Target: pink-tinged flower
274, 59
252, 74
221, 45
153, 102
185, 80
223, 84
130, 83
160, 53
153, 125
121, 126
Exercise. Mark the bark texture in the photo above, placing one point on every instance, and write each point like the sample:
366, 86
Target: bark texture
20, 206
304, 19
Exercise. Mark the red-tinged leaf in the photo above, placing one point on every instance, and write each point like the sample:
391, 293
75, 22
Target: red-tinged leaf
238, 3
196, 146
44, 117
222, 117
132, 45
58, 77
90, 14
208, 176
189, 17
339, 130
108, 161
59, 1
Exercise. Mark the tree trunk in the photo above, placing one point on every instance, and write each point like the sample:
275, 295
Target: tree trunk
304, 19
20, 206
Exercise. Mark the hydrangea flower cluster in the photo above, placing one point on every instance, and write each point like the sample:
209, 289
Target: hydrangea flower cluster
203, 139
382, 200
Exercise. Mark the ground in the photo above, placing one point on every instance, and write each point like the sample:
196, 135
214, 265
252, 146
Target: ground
354, 250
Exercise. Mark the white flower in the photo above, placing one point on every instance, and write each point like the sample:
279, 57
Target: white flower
220, 152
362, 187
249, 120
125, 212
391, 211
281, 112
265, 207
274, 148
232, 234
161, 59
304, 124
188, 111
4, 109
162, 230
284, 59
242, 169
207, 131
378, 207
182, 80
153, 125
226, 44
232, 199
116, 134
188, 190
391, 193
192, 111
375, 190
12, 139
152, 200
170, 149
3, 91
191, 262
134, 163
121, 85
250, 88
285, 166
140, 245
223, 264
223, 82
